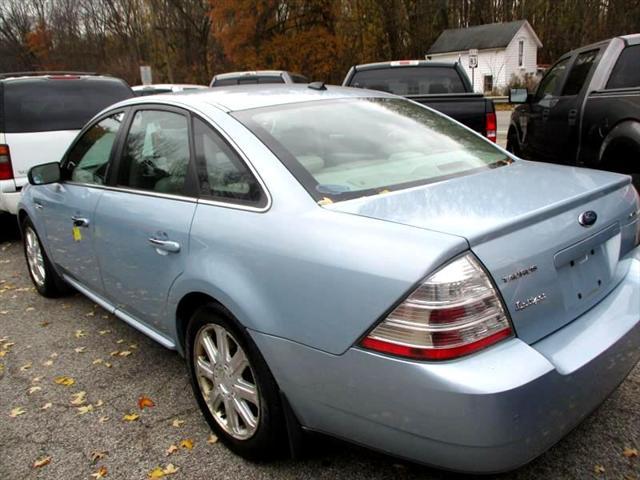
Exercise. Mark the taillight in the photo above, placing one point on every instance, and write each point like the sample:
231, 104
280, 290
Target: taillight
6, 171
491, 126
454, 312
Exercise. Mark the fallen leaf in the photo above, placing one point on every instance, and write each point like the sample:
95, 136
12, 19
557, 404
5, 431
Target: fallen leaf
598, 469
41, 462
47, 363
17, 412
34, 390
177, 422
79, 398
3, 353
85, 409
46, 406
80, 334
107, 364
89, 314
171, 449
124, 353
97, 361
156, 473
133, 346
212, 439
29, 309
120, 341
145, 402
104, 332
97, 455
103, 419
99, 403
80, 349
101, 473
170, 469
131, 417
115, 353
53, 355
630, 452
63, 380
26, 367
187, 444
36, 379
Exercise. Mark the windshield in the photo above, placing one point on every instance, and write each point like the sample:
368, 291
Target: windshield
347, 148
40, 105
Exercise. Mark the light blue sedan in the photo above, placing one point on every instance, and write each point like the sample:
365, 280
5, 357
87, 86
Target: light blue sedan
348, 262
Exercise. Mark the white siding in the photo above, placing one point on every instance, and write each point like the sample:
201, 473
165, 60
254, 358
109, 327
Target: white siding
500, 63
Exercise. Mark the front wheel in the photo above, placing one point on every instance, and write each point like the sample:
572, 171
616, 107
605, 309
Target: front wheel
236, 392
44, 277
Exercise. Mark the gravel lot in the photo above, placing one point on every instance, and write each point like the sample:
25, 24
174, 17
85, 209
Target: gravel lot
46, 334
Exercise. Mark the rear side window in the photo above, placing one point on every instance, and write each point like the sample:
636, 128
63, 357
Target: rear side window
224, 82
299, 78
88, 160
626, 73
270, 79
156, 152
222, 174
41, 105
579, 72
410, 80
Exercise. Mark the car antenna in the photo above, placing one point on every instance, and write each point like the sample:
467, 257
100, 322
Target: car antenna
317, 86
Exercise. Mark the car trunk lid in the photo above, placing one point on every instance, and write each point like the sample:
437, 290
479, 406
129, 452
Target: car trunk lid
521, 221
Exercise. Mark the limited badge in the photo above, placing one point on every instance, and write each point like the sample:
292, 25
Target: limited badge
77, 235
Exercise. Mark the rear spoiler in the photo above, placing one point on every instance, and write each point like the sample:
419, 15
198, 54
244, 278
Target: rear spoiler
46, 72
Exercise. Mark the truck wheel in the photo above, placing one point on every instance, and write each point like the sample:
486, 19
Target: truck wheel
512, 143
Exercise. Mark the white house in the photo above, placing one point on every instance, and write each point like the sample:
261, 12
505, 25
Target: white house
503, 49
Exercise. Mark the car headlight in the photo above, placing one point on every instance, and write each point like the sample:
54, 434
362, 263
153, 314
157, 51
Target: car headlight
454, 312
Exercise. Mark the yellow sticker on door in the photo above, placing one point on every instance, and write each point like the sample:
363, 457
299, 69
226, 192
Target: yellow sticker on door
77, 236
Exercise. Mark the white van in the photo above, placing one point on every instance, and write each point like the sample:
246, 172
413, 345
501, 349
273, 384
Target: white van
40, 114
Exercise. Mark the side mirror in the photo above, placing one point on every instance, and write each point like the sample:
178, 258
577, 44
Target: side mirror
44, 174
518, 95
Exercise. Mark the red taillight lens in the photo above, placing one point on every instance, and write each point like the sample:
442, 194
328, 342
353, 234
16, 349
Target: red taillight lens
6, 171
491, 127
456, 311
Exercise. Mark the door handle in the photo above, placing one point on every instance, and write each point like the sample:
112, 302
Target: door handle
165, 245
80, 221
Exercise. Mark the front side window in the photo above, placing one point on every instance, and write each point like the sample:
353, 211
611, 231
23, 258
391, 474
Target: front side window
88, 160
156, 152
410, 80
347, 148
579, 72
552, 79
626, 73
222, 174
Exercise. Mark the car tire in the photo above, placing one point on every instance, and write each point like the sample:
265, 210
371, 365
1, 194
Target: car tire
258, 433
44, 277
512, 144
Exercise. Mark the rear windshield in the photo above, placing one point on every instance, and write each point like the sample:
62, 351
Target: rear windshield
40, 105
410, 80
247, 80
347, 148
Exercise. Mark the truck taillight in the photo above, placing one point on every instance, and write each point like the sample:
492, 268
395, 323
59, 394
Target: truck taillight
6, 171
491, 126
454, 312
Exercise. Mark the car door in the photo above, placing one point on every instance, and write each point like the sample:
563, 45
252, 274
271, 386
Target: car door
143, 221
562, 124
68, 207
543, 102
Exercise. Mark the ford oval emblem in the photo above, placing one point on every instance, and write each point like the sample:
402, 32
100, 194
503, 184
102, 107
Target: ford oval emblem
588, 218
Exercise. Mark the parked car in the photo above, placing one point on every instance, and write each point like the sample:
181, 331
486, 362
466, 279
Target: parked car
259, 76
443, 86
40, 114
586, 110
142, 90
349, 262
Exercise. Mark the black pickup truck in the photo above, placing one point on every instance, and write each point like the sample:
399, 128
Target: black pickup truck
586, 110
442, 86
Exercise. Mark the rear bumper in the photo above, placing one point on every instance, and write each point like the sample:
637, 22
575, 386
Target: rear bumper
489, 412
9, 197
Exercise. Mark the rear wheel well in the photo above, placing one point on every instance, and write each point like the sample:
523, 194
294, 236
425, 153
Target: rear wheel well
620, 156
22, 216
186, 308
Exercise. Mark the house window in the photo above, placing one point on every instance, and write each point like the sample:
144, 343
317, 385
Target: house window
488, 83
520, 53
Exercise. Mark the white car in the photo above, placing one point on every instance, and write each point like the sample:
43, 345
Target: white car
143, 90
40, 114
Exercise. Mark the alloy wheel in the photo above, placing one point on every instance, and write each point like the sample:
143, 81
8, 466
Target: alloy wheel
226, 381
35, 259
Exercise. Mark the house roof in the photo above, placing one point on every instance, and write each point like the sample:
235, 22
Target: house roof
481, 37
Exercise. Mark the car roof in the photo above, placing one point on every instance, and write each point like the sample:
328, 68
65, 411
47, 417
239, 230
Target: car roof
167, 86
37, 76
244, 97
403, 63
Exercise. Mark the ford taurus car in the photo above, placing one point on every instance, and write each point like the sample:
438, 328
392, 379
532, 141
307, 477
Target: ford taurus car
348, 262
